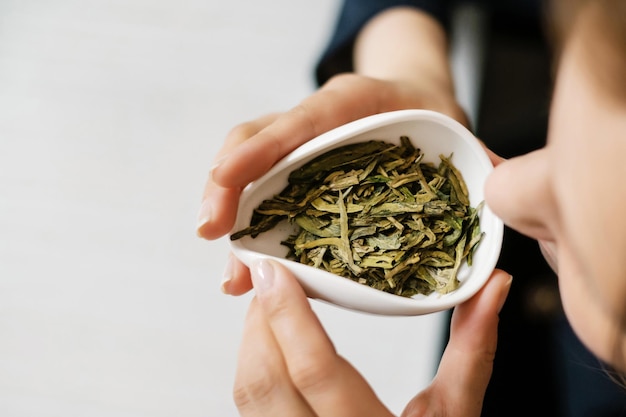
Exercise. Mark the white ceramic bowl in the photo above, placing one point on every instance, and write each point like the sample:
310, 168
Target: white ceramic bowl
434, 134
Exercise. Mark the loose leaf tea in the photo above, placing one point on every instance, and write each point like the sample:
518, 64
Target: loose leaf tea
375, 213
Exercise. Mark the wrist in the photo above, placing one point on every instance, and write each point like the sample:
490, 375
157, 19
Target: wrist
407, 46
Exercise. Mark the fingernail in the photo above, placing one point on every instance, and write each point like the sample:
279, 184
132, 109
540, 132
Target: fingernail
505, 293
262, 275
228, 274
204, 216
548, 250
216, 164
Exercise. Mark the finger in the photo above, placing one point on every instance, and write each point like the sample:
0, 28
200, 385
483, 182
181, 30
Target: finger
218, 211
219, 204
466, 365
513, 189
474, 335
550, 254
329, 384
252, 148
344, 99
493, 157
236, 279
243, 132
262, 385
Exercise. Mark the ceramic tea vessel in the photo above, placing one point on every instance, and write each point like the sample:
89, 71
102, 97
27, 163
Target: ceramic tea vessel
434, 134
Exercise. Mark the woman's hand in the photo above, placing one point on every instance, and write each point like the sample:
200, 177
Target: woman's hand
252, 148
288, 365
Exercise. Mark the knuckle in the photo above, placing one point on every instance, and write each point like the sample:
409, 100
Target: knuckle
277, 306
245, 130
342, 78
313, 376
307, 114
252, 391
242, 131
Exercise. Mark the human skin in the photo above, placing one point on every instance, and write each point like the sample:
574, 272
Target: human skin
266, 383
287, 365
550, 195
570, 194
252, 147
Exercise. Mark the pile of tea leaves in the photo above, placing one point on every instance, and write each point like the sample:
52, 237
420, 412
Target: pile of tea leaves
375, 213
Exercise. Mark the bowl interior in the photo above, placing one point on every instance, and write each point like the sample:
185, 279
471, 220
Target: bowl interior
434, 134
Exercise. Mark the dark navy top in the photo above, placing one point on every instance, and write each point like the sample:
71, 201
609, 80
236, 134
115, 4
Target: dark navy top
354, 14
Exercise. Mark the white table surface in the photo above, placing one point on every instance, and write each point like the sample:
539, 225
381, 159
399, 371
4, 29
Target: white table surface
110, 114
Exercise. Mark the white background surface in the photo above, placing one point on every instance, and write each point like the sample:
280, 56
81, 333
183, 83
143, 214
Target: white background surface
110, 114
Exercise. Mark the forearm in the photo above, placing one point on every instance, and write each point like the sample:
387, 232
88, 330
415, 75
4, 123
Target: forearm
408, 45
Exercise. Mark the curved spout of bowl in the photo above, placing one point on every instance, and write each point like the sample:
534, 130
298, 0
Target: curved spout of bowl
435, 134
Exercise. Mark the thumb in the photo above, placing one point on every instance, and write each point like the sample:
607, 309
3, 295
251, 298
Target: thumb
466, 365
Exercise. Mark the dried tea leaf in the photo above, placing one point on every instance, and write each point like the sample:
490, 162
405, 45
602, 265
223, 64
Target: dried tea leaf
375, 213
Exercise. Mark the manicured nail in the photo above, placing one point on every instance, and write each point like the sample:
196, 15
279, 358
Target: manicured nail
262, 275
216, 164
228, 274
204, 215
505, 292
548, 250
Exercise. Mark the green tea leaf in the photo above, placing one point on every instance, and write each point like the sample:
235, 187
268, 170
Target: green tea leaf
375, 213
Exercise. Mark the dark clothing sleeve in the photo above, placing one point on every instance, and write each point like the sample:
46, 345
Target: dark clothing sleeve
354, 14
521, 17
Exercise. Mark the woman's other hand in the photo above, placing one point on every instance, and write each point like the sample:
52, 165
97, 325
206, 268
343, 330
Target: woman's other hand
289, 366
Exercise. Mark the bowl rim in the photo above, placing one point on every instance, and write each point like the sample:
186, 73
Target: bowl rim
394, 304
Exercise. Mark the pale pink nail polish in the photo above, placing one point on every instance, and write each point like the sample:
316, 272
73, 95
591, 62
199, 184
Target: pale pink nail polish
262, 275
204, 214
